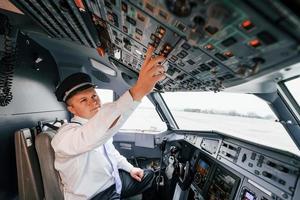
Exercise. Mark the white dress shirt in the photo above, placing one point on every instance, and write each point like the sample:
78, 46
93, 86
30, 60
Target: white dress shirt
79, 154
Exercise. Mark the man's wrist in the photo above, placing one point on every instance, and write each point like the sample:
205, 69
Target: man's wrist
136, 93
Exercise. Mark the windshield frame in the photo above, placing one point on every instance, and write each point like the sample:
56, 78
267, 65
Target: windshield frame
158, 101
289, 98
288, 111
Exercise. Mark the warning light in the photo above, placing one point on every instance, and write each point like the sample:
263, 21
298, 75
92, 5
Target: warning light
100, 51
161, 30
80, 5
254, 43
247, 25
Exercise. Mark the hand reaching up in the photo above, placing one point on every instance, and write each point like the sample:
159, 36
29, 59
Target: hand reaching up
151, 72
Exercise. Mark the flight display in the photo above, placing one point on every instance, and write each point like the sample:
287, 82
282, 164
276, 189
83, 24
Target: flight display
222, 185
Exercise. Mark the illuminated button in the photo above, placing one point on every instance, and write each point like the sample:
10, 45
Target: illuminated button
80, 5
161, 30
100, 51
168, 47
247, 24
209, 47
254, 43
159, 35
228, 54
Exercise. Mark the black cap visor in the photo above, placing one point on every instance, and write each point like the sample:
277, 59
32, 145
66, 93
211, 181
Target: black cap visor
77, 89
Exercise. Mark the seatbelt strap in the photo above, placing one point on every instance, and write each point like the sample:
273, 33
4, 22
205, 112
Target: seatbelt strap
115, 174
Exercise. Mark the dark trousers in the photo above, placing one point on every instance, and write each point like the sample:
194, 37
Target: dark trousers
130, 186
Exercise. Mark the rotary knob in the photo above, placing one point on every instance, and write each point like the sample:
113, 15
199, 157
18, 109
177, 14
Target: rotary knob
180, 8
197, 178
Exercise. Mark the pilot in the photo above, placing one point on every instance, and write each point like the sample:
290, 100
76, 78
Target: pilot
89, 165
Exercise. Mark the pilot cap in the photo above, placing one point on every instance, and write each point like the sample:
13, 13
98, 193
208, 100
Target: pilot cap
73, 84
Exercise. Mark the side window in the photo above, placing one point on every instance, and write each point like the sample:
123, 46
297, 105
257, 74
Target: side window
105, 95
144, 119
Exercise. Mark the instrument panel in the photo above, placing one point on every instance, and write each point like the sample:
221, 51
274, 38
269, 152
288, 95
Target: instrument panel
239, 170
209, 45
212, 181
202, 169
223, 185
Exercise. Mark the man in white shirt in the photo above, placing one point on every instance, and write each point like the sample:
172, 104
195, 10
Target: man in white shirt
89, 165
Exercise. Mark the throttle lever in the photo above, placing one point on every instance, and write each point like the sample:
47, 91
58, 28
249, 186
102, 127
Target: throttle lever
163, 145
160, 178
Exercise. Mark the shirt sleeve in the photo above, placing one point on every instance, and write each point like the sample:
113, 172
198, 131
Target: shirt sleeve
73, 139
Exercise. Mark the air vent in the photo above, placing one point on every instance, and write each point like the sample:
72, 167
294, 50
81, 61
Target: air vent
100, 76
229, 151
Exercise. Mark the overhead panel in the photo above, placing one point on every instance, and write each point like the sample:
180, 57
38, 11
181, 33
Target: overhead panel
209, 45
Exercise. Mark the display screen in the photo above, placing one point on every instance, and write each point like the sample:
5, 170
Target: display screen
248, 196
202, 169
222, 185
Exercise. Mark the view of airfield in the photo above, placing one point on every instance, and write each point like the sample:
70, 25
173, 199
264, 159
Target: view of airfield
254, 122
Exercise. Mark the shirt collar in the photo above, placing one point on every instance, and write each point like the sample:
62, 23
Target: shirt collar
79, 120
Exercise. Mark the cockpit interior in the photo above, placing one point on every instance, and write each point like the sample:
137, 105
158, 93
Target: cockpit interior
242, 47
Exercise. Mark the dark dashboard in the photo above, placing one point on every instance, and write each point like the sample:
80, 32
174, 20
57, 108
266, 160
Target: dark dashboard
213, 167
214, 181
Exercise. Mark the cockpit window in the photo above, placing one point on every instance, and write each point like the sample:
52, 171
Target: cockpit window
293, 87
144, 119
243, 116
